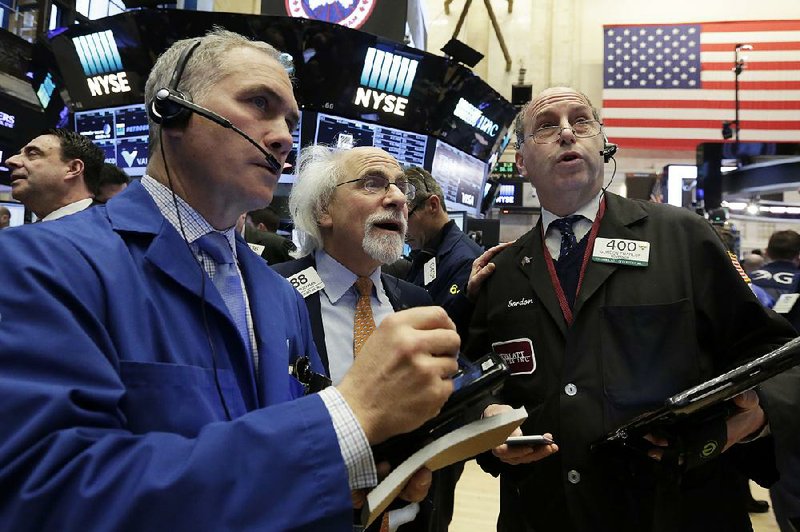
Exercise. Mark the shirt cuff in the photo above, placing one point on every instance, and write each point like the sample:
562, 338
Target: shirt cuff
353, 443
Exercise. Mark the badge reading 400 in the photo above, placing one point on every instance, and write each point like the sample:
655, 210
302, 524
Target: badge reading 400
350, 13
621, 251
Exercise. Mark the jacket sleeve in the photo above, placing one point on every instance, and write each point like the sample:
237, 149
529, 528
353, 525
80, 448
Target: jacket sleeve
69, 459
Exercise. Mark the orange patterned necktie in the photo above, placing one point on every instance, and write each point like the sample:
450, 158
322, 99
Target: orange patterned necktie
363, 327
363, 323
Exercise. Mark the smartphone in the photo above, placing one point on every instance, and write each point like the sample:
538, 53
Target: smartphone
530, 441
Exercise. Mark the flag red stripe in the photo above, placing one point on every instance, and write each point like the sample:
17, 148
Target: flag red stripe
753, 65
752, 25
702, 104
701, 124
757, 47
753, 85
658, 144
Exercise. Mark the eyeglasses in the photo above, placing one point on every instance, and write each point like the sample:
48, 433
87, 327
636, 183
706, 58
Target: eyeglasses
375, 184
582, 129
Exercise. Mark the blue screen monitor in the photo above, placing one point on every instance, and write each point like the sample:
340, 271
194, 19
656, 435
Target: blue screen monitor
343, 133
460, 217
461, 177
121, 132
17, 211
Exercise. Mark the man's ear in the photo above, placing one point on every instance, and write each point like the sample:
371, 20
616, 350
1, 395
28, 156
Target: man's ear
433, 203
324, 219
520, 160
74, 169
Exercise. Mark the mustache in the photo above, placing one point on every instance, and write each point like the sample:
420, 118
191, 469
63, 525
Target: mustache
395, 217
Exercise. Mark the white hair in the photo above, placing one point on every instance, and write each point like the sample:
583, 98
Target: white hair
319, 169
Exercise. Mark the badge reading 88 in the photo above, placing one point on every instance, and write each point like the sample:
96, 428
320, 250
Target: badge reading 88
307, 282
621, 251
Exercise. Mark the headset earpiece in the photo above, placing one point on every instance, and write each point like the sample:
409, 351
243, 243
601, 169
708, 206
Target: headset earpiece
609, 149
167, 113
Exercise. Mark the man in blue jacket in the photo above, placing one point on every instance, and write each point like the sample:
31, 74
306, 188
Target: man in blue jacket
144, 348
442, 263
443, 254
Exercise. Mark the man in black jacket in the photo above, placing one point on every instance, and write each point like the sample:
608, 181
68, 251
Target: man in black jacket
603, 310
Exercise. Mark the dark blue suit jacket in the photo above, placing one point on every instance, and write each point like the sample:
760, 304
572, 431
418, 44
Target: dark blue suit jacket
402, 295
454, 256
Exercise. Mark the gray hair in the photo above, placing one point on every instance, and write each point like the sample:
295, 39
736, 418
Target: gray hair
319, 169
519, 123
201, 73
425, 184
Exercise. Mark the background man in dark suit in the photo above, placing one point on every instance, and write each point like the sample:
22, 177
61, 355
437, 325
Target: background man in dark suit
434, 237
260, 228
594, 337
113, 180
56, 173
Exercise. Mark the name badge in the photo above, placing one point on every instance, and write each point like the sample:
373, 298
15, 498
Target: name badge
307, 282
621, 251
517, 354
429, 271
258, 249
785, 303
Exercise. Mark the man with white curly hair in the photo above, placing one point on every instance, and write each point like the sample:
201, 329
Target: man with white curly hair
351, 207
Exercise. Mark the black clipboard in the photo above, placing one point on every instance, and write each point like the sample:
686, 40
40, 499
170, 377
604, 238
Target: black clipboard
709, 395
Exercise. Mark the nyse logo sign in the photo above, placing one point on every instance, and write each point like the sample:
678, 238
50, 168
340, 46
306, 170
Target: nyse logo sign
474, 117
101, 63
386, 81
7, 120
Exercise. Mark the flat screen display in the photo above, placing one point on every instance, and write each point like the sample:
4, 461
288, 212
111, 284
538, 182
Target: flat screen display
460, 218
343, 133
461, 177
509, 195
17, 211
121, 132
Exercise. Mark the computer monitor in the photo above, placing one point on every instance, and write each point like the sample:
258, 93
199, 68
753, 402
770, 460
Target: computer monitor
17, 211
461, 177
121, 132
460, 217
345, 133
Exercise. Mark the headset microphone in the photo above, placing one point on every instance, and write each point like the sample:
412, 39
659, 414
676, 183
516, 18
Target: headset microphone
171, 97
608, 151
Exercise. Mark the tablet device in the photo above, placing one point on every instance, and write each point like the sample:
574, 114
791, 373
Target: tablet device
711, 394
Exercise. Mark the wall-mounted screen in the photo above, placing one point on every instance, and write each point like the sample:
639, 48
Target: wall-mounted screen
461, 177
17, 211
121, 132
509, 195
681, 183
343, 133
460, 217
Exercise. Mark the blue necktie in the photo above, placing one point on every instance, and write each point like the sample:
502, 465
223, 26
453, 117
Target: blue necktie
568, 241
227, 280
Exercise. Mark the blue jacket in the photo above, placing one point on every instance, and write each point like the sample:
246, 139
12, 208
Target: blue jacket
111, 418
454, 254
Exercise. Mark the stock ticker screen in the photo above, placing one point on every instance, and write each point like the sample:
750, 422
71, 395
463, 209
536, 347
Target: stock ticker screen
461, 177
121, 132
344, 133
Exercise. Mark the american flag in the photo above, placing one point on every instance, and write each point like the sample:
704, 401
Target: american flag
671, 86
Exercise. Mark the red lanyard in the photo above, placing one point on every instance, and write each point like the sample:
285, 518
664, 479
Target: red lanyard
551, 268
